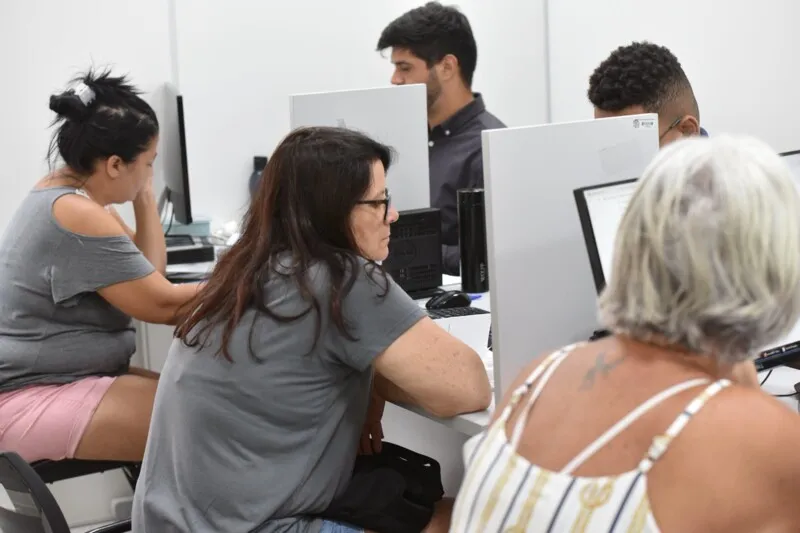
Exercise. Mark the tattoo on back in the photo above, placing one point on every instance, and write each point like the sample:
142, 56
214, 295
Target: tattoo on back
601, 367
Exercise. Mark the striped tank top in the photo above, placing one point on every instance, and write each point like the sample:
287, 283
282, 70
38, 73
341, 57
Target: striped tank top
503, 492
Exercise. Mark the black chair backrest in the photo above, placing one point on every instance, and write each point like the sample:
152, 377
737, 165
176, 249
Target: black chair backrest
27, 506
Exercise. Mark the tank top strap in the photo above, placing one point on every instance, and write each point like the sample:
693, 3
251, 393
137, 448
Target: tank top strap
626, 421
662, 442
542, 373
525, 386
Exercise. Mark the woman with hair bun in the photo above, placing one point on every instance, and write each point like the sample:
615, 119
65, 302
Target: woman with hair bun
72, 275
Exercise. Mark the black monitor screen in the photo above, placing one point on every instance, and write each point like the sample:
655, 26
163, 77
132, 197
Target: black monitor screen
176, 178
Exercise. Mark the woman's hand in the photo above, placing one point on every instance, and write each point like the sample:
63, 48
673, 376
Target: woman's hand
372, 434
146, 192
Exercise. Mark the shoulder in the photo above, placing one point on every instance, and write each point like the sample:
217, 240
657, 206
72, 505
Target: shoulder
490, 122
349, 267
350, 280
532, 368
370, 278
750, 421
80, 215
739, 434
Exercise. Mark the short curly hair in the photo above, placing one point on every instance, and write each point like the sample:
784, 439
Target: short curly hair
640, 74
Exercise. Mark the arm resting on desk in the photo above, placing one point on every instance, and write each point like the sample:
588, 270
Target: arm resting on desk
429, 368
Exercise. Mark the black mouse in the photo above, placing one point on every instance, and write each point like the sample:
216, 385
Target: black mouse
449, 300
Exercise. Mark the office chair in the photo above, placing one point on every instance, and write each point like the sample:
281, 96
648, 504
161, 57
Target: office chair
52, 471
29, 506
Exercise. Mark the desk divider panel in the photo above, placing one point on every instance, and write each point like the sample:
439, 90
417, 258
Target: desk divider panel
541, 286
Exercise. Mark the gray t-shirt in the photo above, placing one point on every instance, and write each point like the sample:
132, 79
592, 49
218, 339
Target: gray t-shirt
259, 444
54, 327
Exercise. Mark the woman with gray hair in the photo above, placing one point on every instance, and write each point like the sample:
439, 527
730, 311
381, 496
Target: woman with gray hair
662, 426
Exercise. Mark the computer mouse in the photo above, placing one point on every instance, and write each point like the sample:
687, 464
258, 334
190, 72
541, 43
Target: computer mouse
449, 300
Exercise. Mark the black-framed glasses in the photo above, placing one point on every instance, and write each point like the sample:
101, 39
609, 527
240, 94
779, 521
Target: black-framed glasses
671, 127
385, 202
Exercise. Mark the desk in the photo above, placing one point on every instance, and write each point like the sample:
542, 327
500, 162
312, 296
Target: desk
472, 423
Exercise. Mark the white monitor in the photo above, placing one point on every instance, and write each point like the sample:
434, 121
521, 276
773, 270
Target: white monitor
396, 116
541, 288
600, 209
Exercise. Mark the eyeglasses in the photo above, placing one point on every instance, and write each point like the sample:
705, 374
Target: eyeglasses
671, 127
385, 202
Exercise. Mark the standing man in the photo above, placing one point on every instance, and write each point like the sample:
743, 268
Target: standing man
646, 78
434, 45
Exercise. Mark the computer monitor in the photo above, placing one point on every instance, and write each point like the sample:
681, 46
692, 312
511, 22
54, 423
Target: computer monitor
173, 150
396, 116
600, 209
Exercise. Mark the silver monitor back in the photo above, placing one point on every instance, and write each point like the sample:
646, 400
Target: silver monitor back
396, 116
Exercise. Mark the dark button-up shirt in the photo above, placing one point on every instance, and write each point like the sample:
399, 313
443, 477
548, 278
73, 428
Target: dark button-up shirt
456, 162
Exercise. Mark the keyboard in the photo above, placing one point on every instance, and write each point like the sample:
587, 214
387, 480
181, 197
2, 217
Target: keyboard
185, 240
454, 312
187, 277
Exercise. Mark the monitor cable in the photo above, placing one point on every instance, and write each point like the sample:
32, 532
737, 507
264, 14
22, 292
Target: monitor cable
789, 395
165, 205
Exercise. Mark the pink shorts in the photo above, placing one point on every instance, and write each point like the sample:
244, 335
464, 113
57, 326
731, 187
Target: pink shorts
48, 421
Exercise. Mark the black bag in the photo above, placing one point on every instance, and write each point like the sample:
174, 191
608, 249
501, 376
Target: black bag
391, 492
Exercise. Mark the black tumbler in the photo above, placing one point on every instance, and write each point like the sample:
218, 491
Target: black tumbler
472, 241
259, 162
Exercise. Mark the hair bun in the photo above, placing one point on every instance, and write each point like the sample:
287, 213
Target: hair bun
69, 105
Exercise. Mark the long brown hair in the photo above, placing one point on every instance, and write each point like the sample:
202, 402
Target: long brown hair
302, 209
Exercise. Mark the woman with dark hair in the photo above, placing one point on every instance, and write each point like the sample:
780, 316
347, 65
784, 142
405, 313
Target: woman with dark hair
266, 389
72, 275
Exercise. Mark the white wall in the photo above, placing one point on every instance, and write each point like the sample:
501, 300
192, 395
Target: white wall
741, 58
43, 44
239, 62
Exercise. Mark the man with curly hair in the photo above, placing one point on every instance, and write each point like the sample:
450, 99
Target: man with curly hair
646, 78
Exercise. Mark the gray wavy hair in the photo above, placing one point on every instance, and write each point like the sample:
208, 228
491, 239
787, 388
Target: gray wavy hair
707, 254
